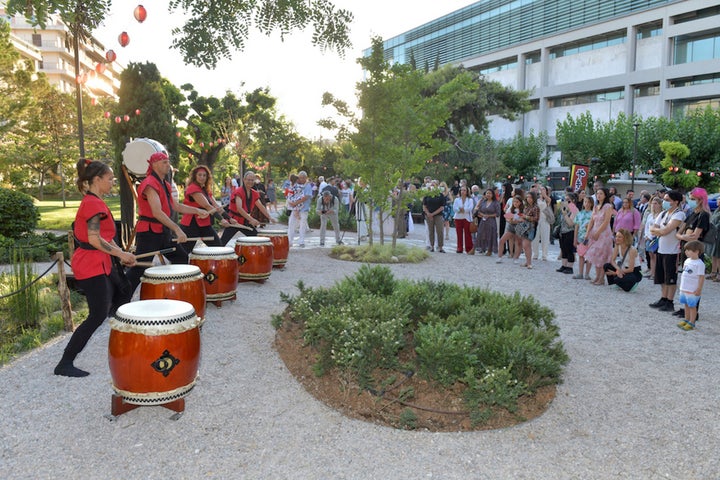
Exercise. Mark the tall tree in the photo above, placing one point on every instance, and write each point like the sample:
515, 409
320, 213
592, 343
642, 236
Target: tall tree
212, 30
524, 156
15, 78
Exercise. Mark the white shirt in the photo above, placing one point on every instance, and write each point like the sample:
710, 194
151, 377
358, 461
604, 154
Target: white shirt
467, 206
668, 244
691, 273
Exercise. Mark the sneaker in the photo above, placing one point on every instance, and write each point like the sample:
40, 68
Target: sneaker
568, 270
679, 313
430, 249
561, 269
668, 307
516, 261
440, 250
578, 276
587, 277
459, 251
659, 303
340, 243
499, 260
687, 326
471, 252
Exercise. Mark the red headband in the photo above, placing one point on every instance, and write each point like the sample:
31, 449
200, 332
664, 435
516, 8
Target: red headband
155, 157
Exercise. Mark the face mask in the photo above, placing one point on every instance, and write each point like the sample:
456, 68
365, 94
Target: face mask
692, 204
666, 205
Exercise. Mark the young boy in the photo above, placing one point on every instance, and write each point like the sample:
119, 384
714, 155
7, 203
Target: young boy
691, 282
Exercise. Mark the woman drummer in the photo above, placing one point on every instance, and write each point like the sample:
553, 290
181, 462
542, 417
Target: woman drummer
99, 277
198, 194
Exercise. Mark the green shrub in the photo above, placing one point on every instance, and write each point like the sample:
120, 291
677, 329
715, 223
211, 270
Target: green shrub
18, 214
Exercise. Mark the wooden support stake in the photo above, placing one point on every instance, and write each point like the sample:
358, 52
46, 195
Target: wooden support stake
64, 293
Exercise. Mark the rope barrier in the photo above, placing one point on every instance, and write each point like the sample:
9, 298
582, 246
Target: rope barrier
29, 284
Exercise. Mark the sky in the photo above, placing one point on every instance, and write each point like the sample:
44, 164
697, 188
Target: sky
296, 72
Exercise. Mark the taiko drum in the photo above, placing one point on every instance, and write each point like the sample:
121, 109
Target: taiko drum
281, 246
175, 282
220, 271
154, 351
255, 258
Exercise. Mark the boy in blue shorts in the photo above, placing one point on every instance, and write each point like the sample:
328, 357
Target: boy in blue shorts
691, 282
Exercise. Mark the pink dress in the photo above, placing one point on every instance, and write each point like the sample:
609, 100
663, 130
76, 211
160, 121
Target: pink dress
599, 251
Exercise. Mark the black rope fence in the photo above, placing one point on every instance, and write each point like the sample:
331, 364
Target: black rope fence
31, 283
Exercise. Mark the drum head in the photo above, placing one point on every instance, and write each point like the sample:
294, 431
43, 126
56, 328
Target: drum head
155, 311
272, 233
168, 271
210, 251
253, 241
137, 153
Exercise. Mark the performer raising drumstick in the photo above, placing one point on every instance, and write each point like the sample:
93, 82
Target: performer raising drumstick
242, 201
105, 287
198, 194
154, 226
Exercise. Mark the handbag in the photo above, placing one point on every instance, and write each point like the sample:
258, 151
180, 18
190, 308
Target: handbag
651, 245
473, 227
556, 232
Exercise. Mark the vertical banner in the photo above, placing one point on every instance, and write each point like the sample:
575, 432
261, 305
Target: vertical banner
579, 175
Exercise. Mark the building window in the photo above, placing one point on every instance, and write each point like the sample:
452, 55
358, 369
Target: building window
696, 80
37, 39
583, 98
648, 90
696, 15
696, 48
649, 30
506, 64
533, 57
534, 104
595, 43
681, 108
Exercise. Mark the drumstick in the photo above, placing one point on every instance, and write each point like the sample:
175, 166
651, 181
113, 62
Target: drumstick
156, 252
195, 239
144, 264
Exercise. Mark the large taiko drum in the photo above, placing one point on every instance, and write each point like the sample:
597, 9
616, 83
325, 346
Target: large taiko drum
175, 282
255, 258
154, 351
137, 153
220, 272
281, 246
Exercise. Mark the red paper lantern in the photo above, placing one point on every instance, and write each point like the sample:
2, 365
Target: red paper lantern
107, 114
93, 101
124, 39
100, 68
126, 118
202, 144
118, 119
110, 56
190, 141
687, 172
140, 13
137, 111
712, 174
699, 174
79, 79
177, 134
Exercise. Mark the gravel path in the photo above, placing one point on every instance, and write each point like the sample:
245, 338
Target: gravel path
639, 400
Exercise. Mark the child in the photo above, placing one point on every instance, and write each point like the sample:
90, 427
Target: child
691, 282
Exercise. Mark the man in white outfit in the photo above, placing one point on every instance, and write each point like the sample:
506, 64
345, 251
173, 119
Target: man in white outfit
299, 204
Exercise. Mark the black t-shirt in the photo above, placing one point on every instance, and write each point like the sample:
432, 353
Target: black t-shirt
698, 220
332, 189
433, 203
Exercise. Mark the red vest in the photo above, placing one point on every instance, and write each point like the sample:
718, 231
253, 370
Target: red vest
195, 189
144, 209
91, 263
240, 192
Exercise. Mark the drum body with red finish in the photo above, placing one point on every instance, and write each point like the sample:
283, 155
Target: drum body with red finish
281, 246
175, 282
154, 351
220, 270
255, 258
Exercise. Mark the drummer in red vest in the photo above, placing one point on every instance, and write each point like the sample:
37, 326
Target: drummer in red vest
242, 201
199, 194
154, 228
102, 280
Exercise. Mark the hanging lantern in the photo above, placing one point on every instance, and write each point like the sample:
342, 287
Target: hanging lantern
140, 13
100, 68
202, 144
649, 172
699, 174
563, 179
118, 119
687, 172
126, 118
137, 111
124, 39
190, 141
78, 79
676, 169
612, 175
107, 114
712, 174
110, 56
177, 134
93, 101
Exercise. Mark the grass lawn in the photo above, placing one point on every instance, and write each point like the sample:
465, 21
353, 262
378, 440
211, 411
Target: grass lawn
54, 217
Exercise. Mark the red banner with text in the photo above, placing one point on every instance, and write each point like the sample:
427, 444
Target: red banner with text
579, 175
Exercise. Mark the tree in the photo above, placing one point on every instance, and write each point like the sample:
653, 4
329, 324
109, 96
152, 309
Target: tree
674, 175
212, 29
524, 156
15, 79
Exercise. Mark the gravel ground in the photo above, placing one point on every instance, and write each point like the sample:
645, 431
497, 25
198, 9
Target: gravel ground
639, 400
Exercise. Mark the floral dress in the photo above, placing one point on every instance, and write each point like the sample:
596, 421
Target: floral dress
600, 250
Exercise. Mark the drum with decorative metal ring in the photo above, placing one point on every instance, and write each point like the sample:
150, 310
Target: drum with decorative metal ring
255, 258
175, 282
281, 246
136, 155
220, 272
154, 351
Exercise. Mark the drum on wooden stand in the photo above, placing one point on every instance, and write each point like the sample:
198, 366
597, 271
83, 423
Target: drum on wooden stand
136, 154
255, 258
154, 354
175, 282
281, 246
219, 267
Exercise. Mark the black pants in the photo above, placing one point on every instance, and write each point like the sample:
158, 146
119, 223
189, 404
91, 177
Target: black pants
567, 249
627, 282
194, 230
230, 232
149, 242
104, 293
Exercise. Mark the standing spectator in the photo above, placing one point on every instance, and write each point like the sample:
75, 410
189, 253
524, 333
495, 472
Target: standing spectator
628, 218
225, 192
448, 210
568, 211
455, 189
512, 215
487, 211
715, 248
580, 240
545, 222
272, 195
463, 208
651, 214
433, 206
668, 251
528, 228
327, 206
643, 203
600, 235
299, 203
691, 283
623, 269
345, 196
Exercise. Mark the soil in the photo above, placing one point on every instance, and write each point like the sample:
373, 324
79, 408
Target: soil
435, 409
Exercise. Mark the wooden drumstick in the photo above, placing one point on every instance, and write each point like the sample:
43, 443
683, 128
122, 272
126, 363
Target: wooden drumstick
195, 239
144, 264
156, 252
